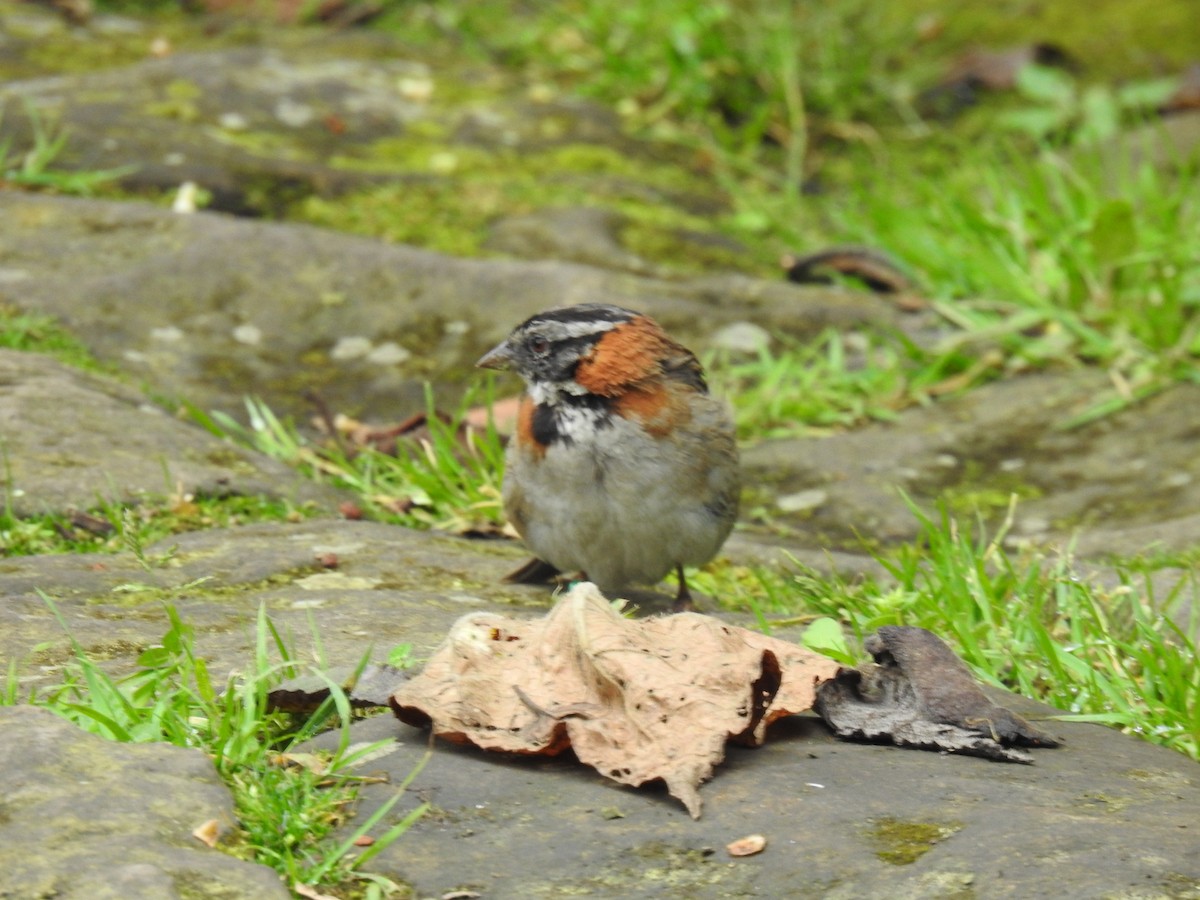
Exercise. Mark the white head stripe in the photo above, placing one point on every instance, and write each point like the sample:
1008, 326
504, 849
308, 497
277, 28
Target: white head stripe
561, 331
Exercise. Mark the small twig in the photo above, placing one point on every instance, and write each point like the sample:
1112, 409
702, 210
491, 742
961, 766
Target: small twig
568, 711
326, 416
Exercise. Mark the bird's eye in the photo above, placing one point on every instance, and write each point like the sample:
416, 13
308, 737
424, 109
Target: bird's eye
540, 346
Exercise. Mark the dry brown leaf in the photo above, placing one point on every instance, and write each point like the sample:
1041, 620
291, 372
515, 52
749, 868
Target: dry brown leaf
747, 846
502, 414
876, 270
1187, 94
638, 700
208, 833
310, 892
998, 70
318, 765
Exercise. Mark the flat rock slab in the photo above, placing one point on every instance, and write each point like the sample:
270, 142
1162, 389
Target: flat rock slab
1135, 469
83, 818
1104, 816
362, 587
209, 308
75, 440
390, 586
1107, 813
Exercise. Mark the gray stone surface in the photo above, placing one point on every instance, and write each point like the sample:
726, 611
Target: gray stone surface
284, 116
1106, 812
1102, 816
391, 586
1133, 469
73, 440
209, 308
83, 818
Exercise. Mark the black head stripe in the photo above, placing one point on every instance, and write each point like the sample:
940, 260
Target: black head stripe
585, 312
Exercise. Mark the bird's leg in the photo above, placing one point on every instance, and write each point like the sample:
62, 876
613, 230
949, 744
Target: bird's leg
535, 571
683, 599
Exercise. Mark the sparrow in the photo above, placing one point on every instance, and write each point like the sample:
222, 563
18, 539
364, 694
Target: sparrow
621, 466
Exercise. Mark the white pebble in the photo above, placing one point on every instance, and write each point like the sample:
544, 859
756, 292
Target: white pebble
389, 353
169, 334
742, 337
350, 348
802, 500
248, 334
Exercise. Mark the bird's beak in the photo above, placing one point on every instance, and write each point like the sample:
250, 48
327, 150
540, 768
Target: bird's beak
497, 358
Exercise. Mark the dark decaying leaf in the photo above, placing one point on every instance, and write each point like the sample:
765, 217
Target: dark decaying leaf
980, 70
373, 687
874, 269
919, 694
1187, 95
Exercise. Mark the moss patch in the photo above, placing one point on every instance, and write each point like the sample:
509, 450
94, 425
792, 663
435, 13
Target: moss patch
1110, 39
901, 843
449, 195
983, 492
37, 333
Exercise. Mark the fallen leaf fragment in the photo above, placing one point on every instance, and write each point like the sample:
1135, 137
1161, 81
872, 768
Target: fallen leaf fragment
982, 69
747, 846
638, 700
998, 70
876, 270
310, 892
502, 414
208, 833
1187, 94
372, 686
311, 762
919, 694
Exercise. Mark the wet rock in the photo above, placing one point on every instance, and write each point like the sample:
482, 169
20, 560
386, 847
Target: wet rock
1134, 469
73, 440
84, 818
172, 300
392, 586
286, 116
1104, 814
582, 235
597, 236
1105, 811
258, 126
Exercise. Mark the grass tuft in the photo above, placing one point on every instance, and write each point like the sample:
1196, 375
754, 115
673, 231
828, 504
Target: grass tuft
1025, 621
286, 812
448, 479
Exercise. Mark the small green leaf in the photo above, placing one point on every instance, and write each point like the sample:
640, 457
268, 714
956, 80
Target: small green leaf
1101, 115
1113, 234
154, 658
825, 636
1046, 85
1035, 121
401, 656
1150, 93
